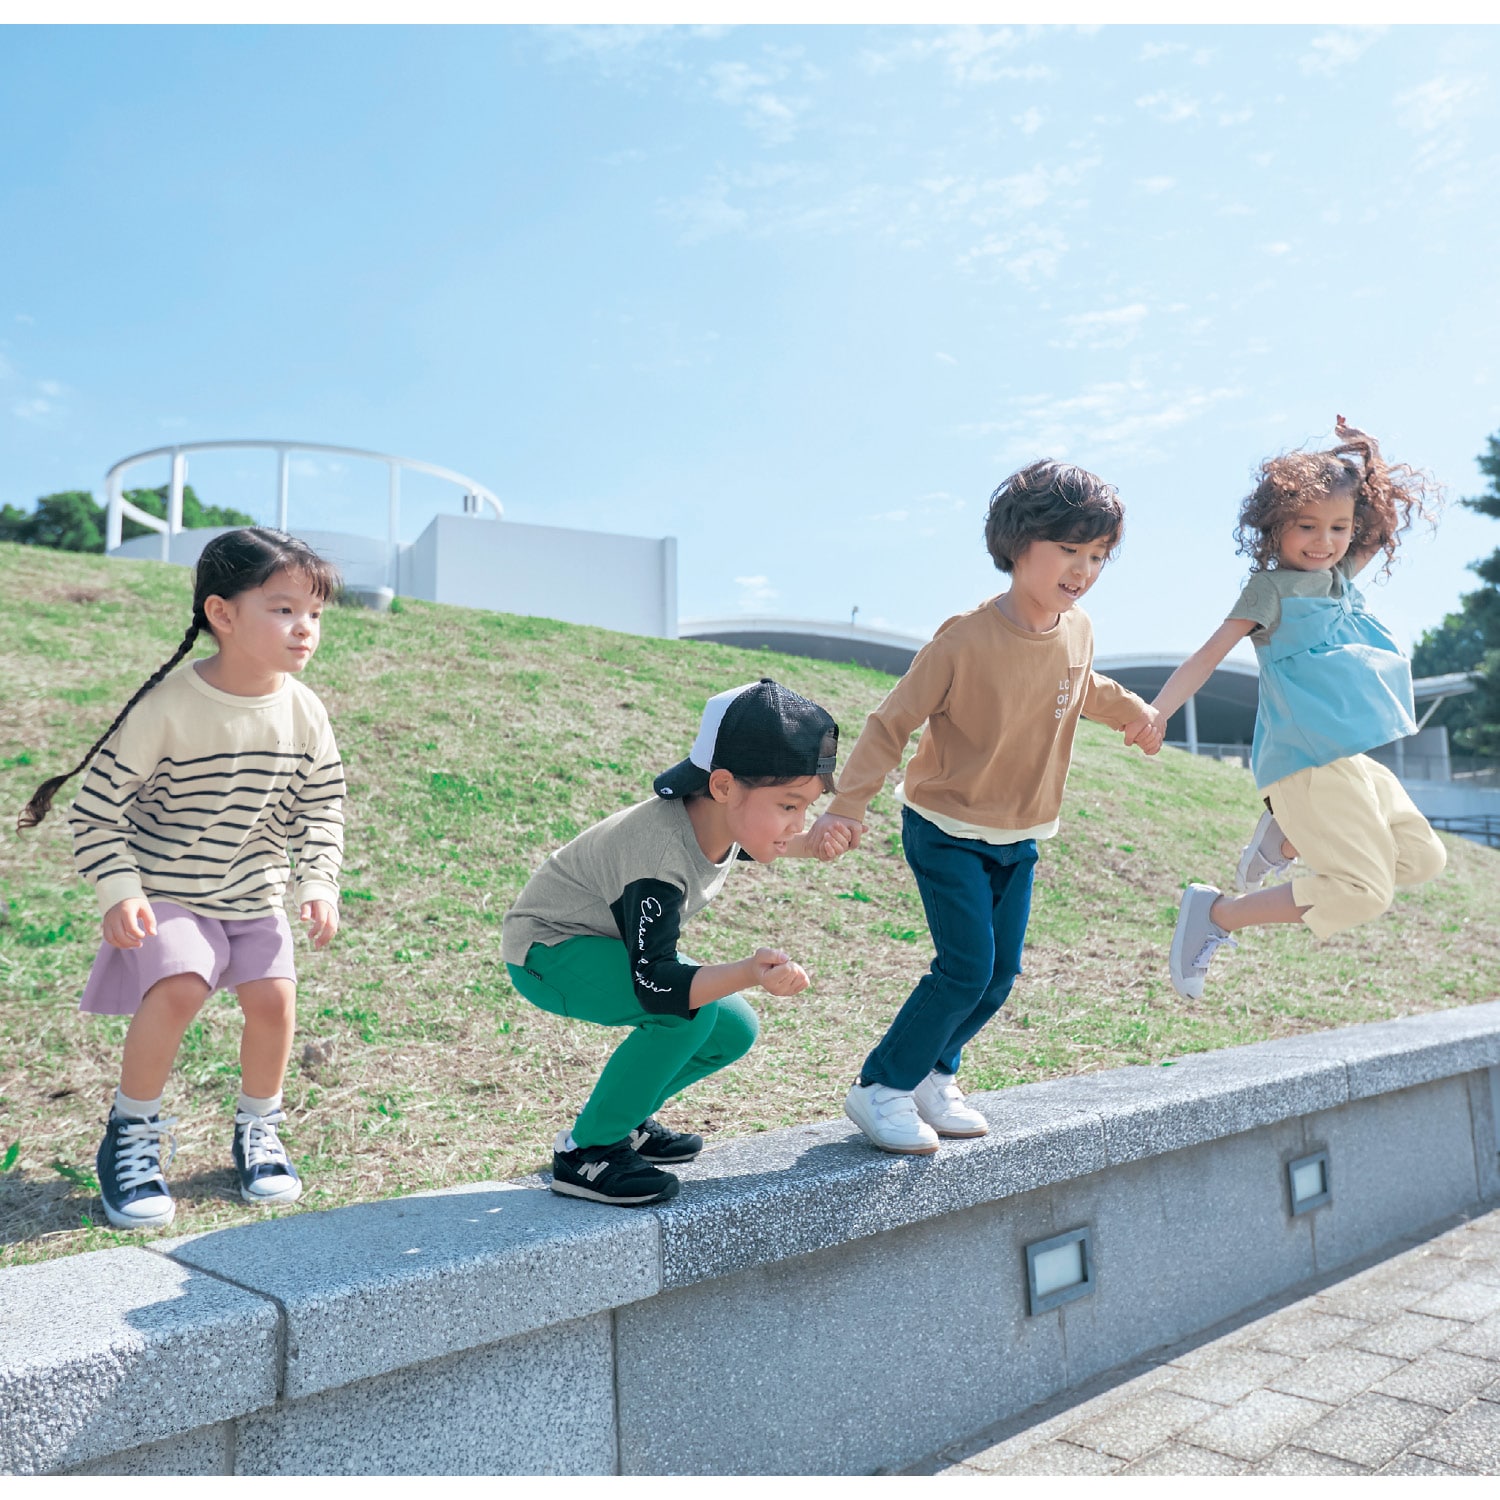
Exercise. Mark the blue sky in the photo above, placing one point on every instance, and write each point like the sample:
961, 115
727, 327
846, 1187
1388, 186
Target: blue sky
799, 296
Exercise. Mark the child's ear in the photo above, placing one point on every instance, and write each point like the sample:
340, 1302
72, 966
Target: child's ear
719, 783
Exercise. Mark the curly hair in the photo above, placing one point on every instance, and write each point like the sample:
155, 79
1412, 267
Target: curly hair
1387, 498
1051, 502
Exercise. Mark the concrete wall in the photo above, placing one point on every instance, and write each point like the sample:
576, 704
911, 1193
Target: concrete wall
586, 577
800, 1308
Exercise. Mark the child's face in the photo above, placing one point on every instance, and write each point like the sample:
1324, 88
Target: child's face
762, 818
1318, 536
275, 627
1054, 576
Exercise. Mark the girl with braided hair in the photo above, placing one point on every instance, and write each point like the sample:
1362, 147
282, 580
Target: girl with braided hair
208, 779
1333, 684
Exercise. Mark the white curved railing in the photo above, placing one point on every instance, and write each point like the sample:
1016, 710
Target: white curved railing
117, 507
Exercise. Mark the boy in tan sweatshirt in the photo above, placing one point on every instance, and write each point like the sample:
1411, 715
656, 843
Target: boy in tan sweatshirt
1000, 690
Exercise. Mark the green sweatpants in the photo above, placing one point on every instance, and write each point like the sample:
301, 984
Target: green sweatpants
588, 979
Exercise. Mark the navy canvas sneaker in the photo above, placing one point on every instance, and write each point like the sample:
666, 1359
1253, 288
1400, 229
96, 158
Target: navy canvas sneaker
266, 1174
652, 1141
609, 1174
130, 1172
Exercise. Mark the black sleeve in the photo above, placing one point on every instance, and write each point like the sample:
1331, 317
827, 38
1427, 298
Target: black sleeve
649, 916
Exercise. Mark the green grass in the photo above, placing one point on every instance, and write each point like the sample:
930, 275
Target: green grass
477, 742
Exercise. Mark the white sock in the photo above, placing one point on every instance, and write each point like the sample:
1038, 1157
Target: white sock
252, 1106
137, 1109
569, 1144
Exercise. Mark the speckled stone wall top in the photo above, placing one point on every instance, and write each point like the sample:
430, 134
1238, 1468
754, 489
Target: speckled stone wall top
309, 1302
122, 1347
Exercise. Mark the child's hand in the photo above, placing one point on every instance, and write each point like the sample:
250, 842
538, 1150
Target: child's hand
777, 974
128, 923
831, 836
1149, 731
322, 918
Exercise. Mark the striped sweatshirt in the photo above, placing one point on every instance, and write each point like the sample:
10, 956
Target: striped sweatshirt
200, 796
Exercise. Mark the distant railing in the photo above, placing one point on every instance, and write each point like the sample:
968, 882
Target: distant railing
1483, 828
1468, 770
117, 507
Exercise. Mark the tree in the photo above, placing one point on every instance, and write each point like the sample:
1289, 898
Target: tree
71, 521
1469, 640
68, 521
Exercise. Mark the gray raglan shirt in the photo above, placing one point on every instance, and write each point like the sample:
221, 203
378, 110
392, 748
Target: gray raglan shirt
637, 876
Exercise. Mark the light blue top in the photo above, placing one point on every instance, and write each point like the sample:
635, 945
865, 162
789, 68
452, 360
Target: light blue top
1333, 683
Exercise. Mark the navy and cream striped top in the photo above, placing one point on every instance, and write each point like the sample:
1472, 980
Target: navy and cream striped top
200, 796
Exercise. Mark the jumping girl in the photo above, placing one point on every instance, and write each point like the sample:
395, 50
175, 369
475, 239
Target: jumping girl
205, 781
1333, 684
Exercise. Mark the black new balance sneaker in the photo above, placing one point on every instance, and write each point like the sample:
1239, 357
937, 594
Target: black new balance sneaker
609, 1174
652, 1141
130, 1172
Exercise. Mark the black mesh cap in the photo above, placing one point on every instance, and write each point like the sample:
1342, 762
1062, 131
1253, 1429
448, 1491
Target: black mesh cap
757, 729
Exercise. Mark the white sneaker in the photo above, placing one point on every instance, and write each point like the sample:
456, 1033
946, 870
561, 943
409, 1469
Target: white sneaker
889, 1118
1262, 857
1197, 938
940, 1102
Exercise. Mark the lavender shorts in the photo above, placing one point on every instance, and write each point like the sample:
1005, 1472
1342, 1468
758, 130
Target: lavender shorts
224, 954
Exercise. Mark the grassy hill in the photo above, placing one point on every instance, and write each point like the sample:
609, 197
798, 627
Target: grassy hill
476, 743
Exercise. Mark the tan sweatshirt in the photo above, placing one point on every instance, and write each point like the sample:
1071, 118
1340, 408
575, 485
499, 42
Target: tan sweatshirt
1001, 705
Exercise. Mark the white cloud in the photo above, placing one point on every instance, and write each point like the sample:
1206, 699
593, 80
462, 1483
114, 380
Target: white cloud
744, 88
311, 468
1277, 247
26, 319
1170, 106
1432, 106
1110, 328
1029, 254
1332, 50
1030, 122
947, 359
49, 387
1235, 116
1156, 184
36, 409
705, 214
1122, 418
755, 591
1153, 51
973, 55
7, 370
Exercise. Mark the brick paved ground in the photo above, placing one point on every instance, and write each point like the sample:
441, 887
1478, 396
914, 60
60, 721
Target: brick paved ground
1392, 1370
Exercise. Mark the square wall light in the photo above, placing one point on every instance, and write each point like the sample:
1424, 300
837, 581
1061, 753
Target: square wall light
1060, 1269
1309, 1183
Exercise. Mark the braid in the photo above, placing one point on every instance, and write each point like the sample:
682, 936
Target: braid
41, 799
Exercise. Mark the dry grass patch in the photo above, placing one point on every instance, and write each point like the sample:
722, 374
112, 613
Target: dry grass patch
476, 743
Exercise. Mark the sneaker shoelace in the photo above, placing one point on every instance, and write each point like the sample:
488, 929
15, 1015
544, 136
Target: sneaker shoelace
1211, 945
138, 1157
262, 1144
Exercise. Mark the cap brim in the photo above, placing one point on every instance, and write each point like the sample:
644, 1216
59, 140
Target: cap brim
681, 780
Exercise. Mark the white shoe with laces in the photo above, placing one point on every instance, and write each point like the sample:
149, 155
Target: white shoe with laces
266, 1173
1262, 858
1197, 938
889, 1118
940, 1102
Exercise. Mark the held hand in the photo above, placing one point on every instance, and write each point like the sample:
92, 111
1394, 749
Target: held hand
128, 923
831, 836
1149, 731
322, 918
777, 974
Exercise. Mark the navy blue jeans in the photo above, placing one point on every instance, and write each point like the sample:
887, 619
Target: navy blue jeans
977, 897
